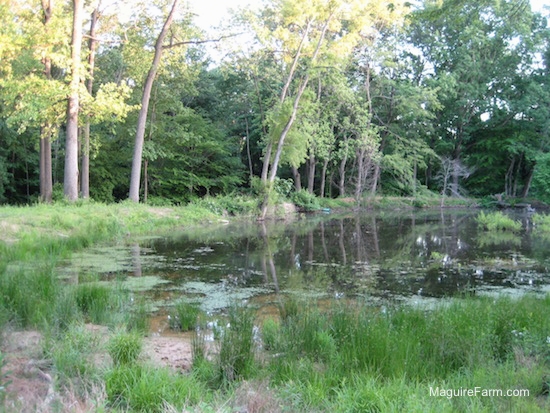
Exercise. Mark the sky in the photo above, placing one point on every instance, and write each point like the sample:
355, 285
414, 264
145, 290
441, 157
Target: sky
211, 12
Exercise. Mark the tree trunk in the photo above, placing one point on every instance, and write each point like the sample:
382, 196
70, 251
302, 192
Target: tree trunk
527, 186
311, 173
70, 183
142, 118
275, 164
45, 162
250, 171
342, 181
297, 178
46, 184
85, 168
323, 178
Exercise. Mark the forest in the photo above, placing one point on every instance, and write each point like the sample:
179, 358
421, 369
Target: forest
339, 98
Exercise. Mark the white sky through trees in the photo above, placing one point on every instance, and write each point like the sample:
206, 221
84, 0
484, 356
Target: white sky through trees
212, 12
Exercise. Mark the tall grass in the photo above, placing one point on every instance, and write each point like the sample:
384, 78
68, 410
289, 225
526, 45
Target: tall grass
125, 347
471, 342
184, 316
236, 355
147, 389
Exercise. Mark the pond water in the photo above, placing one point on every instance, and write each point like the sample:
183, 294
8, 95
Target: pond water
372, 256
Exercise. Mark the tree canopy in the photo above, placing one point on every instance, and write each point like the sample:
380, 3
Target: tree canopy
344, 97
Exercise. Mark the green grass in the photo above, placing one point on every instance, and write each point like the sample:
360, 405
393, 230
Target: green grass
184, 316
344, 359
125, 347
362, 359
147, 389
497, 221
236, 355
72, 353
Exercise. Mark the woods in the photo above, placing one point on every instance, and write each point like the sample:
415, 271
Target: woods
343, 98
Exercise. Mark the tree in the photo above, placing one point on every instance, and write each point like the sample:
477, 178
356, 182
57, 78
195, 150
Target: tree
142, 118
309, 33
70, 182
476, 50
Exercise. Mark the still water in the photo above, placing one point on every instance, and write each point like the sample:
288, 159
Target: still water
371, 256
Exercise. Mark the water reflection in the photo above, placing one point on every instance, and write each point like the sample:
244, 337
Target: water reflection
367, 256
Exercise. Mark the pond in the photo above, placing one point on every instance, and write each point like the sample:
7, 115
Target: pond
372, 256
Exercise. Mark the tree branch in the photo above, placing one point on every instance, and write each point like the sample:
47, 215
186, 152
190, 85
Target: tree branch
171, 45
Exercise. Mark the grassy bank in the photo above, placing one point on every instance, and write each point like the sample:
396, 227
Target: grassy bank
345, 359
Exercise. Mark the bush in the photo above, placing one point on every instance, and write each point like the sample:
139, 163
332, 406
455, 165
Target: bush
303, 199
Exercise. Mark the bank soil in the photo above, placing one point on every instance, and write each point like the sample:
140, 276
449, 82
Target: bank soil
31, 380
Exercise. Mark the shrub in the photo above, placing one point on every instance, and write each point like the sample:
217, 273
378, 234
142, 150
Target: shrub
303, 199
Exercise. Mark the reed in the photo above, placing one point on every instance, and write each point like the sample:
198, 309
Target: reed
184, 316
236, 355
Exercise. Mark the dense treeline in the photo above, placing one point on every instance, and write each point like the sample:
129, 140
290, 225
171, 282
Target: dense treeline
341, 98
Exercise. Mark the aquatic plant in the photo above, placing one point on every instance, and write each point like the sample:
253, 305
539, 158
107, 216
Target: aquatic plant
236, 355
184, 316
497, 221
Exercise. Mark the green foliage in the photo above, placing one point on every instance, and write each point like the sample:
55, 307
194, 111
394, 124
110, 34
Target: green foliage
184, 316
379, 359
541, 177
304, 200
497, 221
232, 204
542, 222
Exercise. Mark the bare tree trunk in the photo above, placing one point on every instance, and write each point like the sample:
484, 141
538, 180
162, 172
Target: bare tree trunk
248, 150
142, 118
70, 182
297, 178
375, 179
527, 186
323, 178
311, 173
145, 181
85, 168
342, 181
45, 162
46, 184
